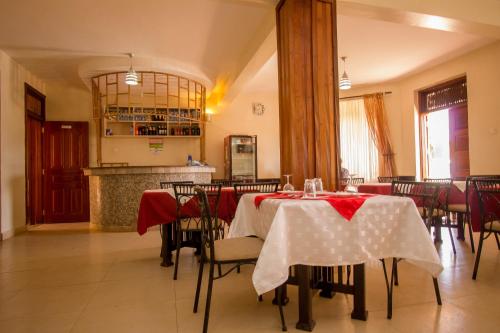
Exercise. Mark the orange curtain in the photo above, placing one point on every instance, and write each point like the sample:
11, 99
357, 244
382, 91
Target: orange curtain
379, 130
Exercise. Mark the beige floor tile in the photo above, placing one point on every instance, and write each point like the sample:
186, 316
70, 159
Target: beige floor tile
62, 278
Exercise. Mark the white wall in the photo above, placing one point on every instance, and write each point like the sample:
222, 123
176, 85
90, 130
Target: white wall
482, 68
12, 79
237, 118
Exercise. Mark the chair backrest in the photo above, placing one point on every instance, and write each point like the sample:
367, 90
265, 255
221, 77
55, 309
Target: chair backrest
167, 185
242, 188
268, 180
469, 185
354, 181
488, 190
185, 192
384, 179
424, 194
444, 192
207, 230
223, 182
407, 178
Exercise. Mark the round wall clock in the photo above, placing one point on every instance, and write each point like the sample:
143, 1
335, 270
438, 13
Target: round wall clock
258, 109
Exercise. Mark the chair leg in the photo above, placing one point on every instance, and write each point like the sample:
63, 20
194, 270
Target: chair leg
471, 235
209, 297
498, 242
478, 255
395, 269
260, 298
436, 290
238, 270
198, 285
280, 307
389, 286
178, 248
219, 269
451, 236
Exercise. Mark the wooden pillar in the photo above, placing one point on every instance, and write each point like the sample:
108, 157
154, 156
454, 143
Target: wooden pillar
308, 85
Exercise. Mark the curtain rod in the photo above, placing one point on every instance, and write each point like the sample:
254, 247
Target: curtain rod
359, 96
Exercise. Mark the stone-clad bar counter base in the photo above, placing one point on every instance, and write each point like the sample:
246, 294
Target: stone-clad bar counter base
115, 192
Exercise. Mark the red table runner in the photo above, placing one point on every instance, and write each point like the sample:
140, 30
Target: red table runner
159, 207
346, 206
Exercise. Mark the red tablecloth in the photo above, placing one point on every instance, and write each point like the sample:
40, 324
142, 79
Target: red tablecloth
346, 206
159, 207
381, 188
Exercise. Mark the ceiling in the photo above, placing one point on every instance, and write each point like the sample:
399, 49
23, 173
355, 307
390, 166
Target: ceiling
206, 40
379, 51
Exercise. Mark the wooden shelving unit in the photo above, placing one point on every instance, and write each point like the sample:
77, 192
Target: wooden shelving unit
162, 105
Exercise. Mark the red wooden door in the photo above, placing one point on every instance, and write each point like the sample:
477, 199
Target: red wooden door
459, 142
65, 156
34, 186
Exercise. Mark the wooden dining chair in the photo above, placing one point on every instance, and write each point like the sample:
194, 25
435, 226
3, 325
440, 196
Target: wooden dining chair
354, 181
242, 188
233, 251
167, 185
268, 180
488, 191
425, 196
441, 211
223, 182
188, 228
384, 179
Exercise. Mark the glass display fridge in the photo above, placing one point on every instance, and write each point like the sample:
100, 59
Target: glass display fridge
240, 157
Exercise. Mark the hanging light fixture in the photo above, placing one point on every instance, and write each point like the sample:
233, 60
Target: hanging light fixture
131, 77
344, 82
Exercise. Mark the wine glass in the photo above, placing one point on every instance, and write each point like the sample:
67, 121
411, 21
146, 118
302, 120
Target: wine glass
288, 187
319, 184
309, 189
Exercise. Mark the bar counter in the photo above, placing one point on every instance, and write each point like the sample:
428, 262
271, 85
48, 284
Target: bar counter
115, 192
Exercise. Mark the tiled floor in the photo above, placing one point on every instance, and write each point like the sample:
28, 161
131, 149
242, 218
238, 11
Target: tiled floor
64, 278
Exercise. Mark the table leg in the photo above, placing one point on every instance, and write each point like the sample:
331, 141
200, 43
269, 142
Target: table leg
460, 226
166, 245
359, 312
303, 274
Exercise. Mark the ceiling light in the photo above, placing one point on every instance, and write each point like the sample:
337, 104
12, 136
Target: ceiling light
344, 82
131, 77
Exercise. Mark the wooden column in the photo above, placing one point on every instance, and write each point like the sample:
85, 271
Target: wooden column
308, 84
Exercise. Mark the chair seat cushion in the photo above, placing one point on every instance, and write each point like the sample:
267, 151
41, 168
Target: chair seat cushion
494, 225
435, 212
459, 208
234, 249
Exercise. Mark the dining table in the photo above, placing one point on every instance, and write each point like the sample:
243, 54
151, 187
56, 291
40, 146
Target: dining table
457, 195
159, 207
304, 235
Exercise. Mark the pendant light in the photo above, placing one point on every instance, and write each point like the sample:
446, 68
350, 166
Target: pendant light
131, 77
344, 83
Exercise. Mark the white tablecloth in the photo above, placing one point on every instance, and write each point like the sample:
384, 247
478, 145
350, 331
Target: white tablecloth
460, 184
312, 232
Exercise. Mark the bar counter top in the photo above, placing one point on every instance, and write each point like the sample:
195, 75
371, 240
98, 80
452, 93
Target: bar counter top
129, 170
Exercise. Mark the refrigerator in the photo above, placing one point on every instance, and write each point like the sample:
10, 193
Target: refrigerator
240, 157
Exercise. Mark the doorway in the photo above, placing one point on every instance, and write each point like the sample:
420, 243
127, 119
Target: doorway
34, 104
444, 131
66, 188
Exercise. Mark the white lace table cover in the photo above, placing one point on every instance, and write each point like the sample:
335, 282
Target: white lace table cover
312, 232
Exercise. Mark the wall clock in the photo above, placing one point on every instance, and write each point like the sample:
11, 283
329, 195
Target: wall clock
258, 109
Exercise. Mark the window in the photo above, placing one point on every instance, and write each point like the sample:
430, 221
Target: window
357, 149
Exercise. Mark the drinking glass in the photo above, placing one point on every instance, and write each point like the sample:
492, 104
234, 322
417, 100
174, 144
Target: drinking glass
309, 189
288, 187
318, 184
